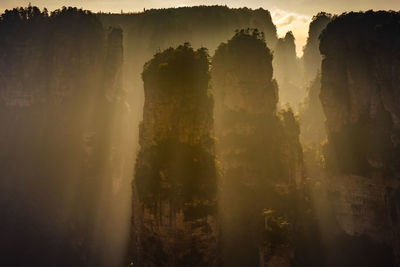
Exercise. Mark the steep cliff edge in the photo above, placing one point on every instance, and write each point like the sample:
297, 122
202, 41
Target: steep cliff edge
259, 154
360, 97
312, 118
152, 30
312, 58
60, 92
174, 218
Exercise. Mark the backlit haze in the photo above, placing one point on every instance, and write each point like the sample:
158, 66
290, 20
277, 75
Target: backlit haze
288, 15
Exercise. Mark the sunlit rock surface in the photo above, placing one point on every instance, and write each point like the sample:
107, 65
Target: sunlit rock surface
360, 97
174, 206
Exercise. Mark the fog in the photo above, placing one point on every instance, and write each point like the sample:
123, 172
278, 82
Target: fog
257, 137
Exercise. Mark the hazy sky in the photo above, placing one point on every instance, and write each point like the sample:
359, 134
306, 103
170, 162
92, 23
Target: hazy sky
287, 14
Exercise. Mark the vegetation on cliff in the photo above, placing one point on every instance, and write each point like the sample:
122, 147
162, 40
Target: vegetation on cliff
267, 188
176, 173
259, 151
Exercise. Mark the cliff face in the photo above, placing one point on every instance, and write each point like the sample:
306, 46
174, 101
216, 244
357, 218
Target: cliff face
260, 163
312, 58
312, 118
174, 217
149, 31
287, 71
160, 28
360, 98
59, 90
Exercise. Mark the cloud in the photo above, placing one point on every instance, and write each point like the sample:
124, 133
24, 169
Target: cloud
290, 21
287, 21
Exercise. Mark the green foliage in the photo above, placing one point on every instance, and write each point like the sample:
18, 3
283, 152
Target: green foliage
245, 55
258, 148
182, 173
182, 69
277, 232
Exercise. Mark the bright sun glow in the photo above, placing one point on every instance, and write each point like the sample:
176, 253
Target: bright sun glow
290, 21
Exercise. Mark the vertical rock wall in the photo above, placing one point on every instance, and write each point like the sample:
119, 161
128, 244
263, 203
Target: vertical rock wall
360, 98
174, 218
260, 161
312, 57
59, 92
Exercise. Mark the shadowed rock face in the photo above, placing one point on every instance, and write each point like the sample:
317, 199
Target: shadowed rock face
260, 161
312, 57
312, 118
59, 90
174, 209
360, 97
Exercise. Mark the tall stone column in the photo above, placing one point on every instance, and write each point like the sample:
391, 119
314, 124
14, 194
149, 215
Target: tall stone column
174, 206
258, 150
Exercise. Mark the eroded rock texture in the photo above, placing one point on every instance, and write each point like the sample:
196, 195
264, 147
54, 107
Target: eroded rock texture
174, 215
59, 91
259, 154
360, 97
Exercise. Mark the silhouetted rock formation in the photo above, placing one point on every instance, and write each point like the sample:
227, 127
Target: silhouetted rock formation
59, 91
153, 30
175, 186
312, 57
159, 28
312, 118
287, 71
360, 97
259, 153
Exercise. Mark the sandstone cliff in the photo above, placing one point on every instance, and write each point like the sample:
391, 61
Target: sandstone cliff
312, 118
259, 153
60, 89
174, 218
360, 97
312, 57
203, 26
